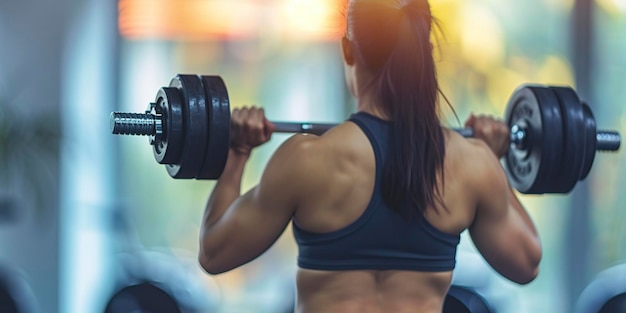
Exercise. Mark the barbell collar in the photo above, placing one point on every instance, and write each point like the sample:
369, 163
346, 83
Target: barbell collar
518, 137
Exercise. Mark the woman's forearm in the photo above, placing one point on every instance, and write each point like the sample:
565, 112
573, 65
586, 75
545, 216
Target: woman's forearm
533, 251
227, 189
519, 208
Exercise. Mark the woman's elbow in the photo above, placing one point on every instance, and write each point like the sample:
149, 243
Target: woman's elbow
207, 255
206, 258
527, 277
531, 271
209, 265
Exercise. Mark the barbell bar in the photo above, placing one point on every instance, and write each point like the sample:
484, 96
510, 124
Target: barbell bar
553, 134
145, 124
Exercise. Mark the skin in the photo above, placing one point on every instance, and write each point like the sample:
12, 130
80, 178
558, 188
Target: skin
325, 183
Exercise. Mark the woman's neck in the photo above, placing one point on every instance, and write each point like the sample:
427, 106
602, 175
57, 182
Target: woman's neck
367, 104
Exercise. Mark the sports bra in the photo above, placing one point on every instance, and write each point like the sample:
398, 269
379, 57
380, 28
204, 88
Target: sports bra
380, 239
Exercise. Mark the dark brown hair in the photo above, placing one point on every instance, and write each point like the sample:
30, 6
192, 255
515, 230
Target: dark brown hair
392, 40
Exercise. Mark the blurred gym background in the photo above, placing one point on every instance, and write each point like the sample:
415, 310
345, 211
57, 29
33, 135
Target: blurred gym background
84, 215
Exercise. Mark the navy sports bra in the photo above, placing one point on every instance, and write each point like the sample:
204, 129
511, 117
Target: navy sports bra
379, 239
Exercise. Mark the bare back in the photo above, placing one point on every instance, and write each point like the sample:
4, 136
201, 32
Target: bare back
324, 184
349, 176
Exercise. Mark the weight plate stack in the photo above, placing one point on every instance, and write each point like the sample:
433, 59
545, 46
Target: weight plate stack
195, 125
218, 109
573, 140
536, 110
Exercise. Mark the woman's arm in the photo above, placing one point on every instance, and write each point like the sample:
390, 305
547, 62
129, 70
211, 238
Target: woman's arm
238, 228
227, 189
502, 229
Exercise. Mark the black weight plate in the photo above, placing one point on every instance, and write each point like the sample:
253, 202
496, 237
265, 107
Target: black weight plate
465, 300
536, 110
573, 139
218, 109
195, 121
591, 141
142, 297
167, 148
520, 164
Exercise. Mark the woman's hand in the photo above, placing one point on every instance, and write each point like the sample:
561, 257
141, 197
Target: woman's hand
248, 129
492, 131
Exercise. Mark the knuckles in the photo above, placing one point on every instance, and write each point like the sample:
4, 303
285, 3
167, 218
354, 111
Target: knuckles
490, 126
253, 124
248, 126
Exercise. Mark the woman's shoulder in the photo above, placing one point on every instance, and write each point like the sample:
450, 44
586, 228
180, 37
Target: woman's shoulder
467, 148
344, 137
470, 156
296, 150
304, 154
320, 156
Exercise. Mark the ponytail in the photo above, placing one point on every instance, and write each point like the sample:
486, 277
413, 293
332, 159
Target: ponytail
393, 40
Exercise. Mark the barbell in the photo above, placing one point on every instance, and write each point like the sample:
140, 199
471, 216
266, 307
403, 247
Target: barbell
553, 134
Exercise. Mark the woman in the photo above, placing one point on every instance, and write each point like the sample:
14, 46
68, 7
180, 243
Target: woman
378, 202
